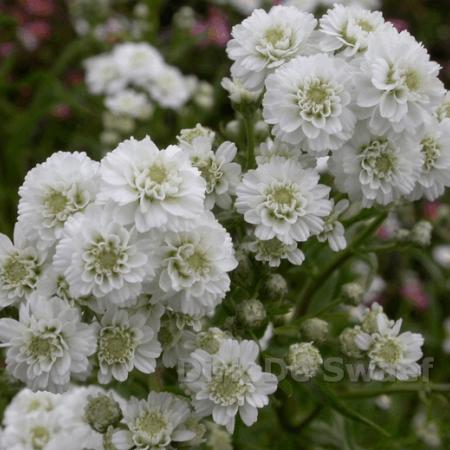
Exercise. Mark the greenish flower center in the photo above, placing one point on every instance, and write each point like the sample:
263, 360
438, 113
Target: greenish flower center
116, 345
105, 258
15, 270
379, 159
40, 346
39, 437
56, 202
387, 350
228, 384
157, 173
274, 35
412, 80
431, 152
365, 25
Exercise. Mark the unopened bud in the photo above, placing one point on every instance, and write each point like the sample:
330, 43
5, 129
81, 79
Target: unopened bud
101, 412
252, 313
315, 330
304, 360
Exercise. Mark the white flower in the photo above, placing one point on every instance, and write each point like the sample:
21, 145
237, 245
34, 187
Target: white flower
137, 62
265, 41
435, 174
308, 101
125, 341
100, 257
102, 75
33, 432
238, 93
333, 230
154, 423
169, 88
153, 188
390, 353
47, 344
441, 254
283, 201
21, 265
346, 29
397, 86
187, 135
272, 251
377, 168
243, 6
54, 191
193, 276
228, 382
129, 103
443, 111
220, 173
270, 149
29, 403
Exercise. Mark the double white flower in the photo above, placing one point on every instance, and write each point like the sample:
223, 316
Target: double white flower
229, 382
309, 103
47, 344
283, 201
152, 188
265, 41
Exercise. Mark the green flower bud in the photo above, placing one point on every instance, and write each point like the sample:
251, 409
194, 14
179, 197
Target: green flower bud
315, 329
304, 360
252, 313
101, 412
348, 344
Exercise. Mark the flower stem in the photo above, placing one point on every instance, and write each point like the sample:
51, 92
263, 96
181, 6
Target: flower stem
313, 284
397, 388
249, 127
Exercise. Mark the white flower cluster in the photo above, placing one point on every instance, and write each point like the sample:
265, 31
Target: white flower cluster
391, 354
42, 420
349, 87
113, 266
133, 77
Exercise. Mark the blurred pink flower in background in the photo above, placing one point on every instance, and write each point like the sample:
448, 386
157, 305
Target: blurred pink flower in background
42, 8
215, 28
399, 24
412, 290
32, 33
62, 111
431, 211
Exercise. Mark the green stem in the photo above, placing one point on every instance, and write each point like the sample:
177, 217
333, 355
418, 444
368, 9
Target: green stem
397, 389
313, 284
249, 128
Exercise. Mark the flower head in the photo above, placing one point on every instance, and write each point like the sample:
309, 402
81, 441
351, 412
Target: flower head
47, 344
283, 201
265, 41
154, 423
229, 381
100, 257
65, 184
398, 86
308, 101
152, 188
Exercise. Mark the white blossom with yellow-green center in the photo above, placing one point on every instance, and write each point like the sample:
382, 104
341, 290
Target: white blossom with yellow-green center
229, 382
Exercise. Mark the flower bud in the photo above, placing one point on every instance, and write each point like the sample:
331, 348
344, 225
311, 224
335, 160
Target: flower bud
348, 344
304, 360
315, 330
369, 320
101, 412
275, 287
421, 233
252, 313
352, 293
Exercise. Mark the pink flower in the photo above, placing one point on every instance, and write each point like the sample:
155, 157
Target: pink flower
431, 210
62, 111
31, 34
215, 30
42, 8
412, 289
399, 24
